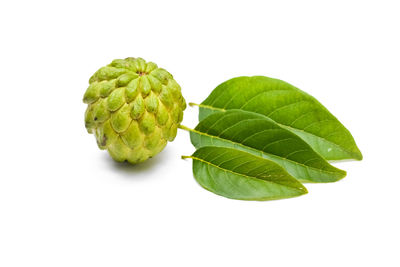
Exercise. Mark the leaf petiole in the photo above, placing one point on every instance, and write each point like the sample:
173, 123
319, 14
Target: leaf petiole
183, 127
193, 104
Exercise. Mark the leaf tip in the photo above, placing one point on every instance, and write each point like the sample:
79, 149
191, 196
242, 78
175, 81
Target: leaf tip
359, 156
303, 189
342, 174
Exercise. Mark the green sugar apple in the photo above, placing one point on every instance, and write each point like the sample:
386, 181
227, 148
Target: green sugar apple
134, 108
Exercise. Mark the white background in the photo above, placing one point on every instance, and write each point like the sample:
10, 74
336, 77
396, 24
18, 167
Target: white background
63, 202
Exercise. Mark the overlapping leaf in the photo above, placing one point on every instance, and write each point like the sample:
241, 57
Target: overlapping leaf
258, 135
239, 175
290, 108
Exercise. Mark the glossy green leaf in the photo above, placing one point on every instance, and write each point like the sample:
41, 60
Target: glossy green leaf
239, 175
258, 135
288, 106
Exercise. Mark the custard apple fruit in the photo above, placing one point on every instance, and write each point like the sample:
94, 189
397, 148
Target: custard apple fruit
134, 108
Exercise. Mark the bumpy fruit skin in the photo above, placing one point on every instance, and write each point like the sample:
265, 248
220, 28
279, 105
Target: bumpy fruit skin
134, 108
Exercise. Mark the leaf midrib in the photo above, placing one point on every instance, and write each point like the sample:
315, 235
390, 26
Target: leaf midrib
287, 126
244, 175
253, 149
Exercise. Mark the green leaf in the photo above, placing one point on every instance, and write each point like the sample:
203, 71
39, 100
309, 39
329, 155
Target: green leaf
239, 175
290, 107
256, 134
